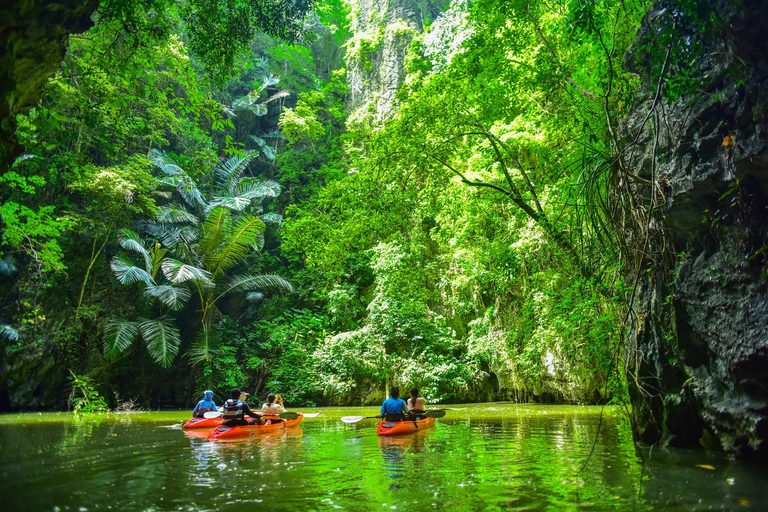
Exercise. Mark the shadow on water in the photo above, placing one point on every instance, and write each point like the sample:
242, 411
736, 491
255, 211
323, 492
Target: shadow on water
492, 457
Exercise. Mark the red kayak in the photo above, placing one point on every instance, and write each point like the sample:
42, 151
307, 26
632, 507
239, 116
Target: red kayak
393, 428
223, 432
202, 423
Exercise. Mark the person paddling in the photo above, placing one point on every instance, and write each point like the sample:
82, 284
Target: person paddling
236, 409
205, 405
273, 406
416, 403
394, 407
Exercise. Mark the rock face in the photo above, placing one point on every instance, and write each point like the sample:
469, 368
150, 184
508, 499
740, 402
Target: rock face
383, 30
33, 35
697, 350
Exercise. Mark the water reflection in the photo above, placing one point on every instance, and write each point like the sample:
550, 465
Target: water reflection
395, 450
504, 457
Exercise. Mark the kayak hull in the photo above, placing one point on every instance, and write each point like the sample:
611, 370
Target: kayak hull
202, 423
223, 432
394, 428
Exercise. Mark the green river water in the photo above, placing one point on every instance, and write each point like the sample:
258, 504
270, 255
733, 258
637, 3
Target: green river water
479, 457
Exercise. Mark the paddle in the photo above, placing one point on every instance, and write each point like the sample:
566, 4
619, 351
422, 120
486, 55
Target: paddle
288, 415
355, 419
434, 413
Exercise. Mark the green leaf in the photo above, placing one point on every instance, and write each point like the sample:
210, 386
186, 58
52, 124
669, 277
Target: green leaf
128, 273
162, 339
177, 272
256, 282
173, 297
118, 336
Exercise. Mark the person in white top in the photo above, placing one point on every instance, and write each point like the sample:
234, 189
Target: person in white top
416, 403
273, 406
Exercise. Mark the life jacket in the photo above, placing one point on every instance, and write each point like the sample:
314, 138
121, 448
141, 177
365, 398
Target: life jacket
233, 410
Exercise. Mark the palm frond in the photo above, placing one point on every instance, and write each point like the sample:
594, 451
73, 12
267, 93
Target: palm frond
258, 109
128, 273
118, 336
204, 347
274, 134
253, 188
215, 228
272, 218
168, 236
265, 148
173, 297
254, 296
177, 272
175, 214
9, 333
256, 282
269, 80
187, 189
162, 339
156, 256
245, 232
131, 241
164, 162
278, 95
229, 171
232, 203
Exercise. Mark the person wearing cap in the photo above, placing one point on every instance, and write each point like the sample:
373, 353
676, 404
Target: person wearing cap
273, 405
205, 405
235, 410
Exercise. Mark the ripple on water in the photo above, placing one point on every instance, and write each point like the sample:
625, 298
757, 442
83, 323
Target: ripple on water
502, 457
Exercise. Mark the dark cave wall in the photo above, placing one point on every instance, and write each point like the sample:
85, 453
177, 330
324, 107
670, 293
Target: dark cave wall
697, 347
34, 35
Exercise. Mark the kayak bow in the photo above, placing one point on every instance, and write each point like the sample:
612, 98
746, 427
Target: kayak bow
202, 423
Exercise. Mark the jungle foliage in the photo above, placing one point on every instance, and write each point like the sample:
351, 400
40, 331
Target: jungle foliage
462, 246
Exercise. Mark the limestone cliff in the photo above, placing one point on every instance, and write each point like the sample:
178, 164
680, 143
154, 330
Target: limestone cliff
375, 55
34, 36
697, 347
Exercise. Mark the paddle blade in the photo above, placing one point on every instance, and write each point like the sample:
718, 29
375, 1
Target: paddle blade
434, 414
311, 414
351, 419
212, 414
288, 415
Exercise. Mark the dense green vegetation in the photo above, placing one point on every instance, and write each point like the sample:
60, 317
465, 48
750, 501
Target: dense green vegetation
190, 213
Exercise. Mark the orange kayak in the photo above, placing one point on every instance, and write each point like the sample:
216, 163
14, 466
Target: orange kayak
393, 428
225, 432
202, 423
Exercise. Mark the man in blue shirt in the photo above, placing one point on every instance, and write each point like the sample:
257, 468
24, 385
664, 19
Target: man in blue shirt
393, 408
205, 405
